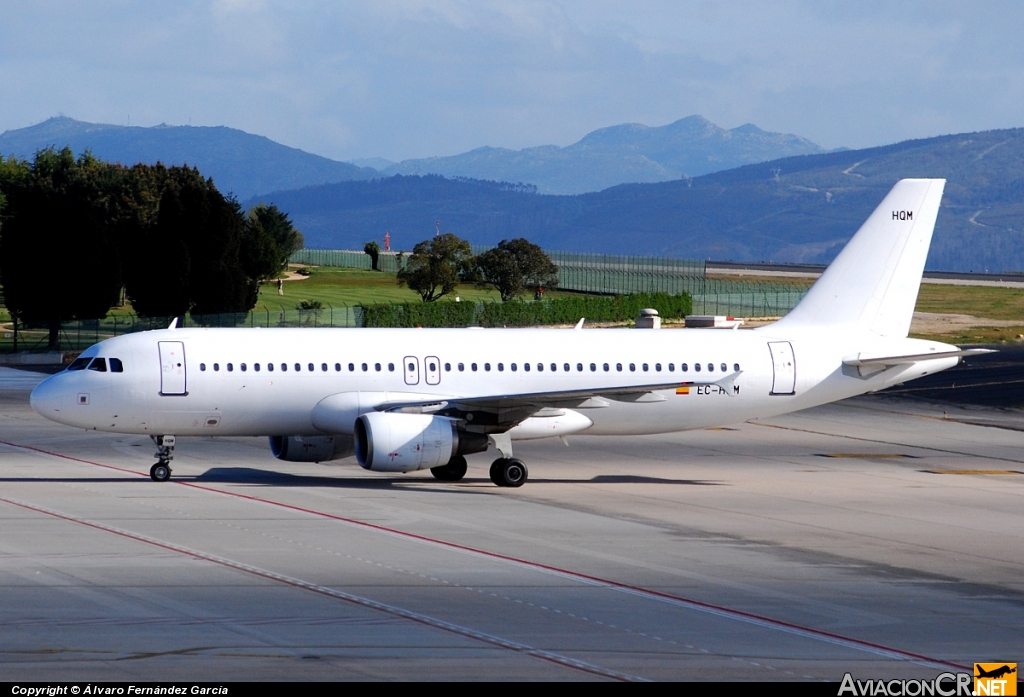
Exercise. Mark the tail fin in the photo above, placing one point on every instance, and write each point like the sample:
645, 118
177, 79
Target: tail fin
873, 283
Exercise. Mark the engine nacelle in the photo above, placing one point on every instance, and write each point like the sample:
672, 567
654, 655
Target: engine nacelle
396, 442
311, 448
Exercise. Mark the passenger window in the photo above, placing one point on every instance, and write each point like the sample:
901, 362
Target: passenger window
540, 367
593, 367
618, 367
671, 367
447, 367
79, 363
711, 367
391, 367
311, 368
501, 366
724, 367
284, 367
337, 367
231, 367
606, 367
242, 366
736, 367
323, 367
364, 367
645, 367
487, 367
99, 365
256, 367
632, 367
683, 367
202, 366
351, 367
696, 366
565, 367
462, 367
657, 366
298, 367
376, 366
216, 367
554, 367
514, 367
526, 367
270, 367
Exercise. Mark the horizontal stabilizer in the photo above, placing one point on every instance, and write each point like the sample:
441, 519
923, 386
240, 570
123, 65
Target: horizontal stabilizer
865, 359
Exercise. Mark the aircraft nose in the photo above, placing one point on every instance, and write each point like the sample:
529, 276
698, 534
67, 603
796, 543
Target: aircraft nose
45, 398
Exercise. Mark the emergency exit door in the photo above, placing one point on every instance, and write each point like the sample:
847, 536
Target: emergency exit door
411, 366
783, 367
172, 368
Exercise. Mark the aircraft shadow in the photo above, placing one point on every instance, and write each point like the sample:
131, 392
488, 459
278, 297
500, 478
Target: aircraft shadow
248, 475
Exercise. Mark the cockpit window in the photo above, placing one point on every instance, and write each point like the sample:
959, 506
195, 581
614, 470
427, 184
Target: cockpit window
99, 365
116, 366
79, 363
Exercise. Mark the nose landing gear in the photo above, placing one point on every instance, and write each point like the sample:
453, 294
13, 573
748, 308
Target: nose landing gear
161, 471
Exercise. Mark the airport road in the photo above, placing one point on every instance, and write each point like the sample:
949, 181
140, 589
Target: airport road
845, 538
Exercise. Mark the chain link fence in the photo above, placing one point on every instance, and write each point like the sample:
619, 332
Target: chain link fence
614, 274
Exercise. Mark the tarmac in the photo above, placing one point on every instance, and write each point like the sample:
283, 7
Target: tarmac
880, 536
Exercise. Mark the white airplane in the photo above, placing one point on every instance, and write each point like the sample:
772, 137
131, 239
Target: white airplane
411, 399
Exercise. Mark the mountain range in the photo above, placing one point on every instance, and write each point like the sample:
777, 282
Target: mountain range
246, 165
797, 209
629, 152
240, 163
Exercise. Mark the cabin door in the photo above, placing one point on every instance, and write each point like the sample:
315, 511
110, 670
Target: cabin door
783, 367
172, 368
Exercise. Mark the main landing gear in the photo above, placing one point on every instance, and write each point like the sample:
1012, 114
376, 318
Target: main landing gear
161, 471
507, 470
453, 471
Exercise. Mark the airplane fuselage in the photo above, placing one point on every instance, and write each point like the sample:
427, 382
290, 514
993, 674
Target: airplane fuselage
251, 382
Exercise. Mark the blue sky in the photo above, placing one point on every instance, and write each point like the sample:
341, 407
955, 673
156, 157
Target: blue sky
413, 79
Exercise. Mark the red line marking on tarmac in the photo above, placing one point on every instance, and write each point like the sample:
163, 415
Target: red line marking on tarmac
720, 610
341, 595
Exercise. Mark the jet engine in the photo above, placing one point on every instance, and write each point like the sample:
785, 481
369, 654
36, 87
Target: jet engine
396, 442
311, 448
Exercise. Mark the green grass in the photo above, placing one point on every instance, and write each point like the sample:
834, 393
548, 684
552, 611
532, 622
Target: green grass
338, 287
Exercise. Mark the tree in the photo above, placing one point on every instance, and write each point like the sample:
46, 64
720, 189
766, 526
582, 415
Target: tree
373, 249
58, 260
515, 265
437, 266
279, 227
189, 259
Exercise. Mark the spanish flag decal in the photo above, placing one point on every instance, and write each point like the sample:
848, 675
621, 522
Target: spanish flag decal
682, 390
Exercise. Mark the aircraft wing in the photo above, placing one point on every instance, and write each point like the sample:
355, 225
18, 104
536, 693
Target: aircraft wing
511, 408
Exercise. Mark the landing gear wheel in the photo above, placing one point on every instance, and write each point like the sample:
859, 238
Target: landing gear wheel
453, 471
160, 472
510, 472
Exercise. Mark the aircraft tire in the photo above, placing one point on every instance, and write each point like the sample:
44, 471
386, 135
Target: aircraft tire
160, 472
453, 471
509, 472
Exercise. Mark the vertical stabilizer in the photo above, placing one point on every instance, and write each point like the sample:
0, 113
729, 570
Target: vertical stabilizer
873, 283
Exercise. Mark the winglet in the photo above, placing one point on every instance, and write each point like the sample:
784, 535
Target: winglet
579, 325
173, 324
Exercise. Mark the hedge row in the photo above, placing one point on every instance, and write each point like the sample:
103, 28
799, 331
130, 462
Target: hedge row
518, 313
